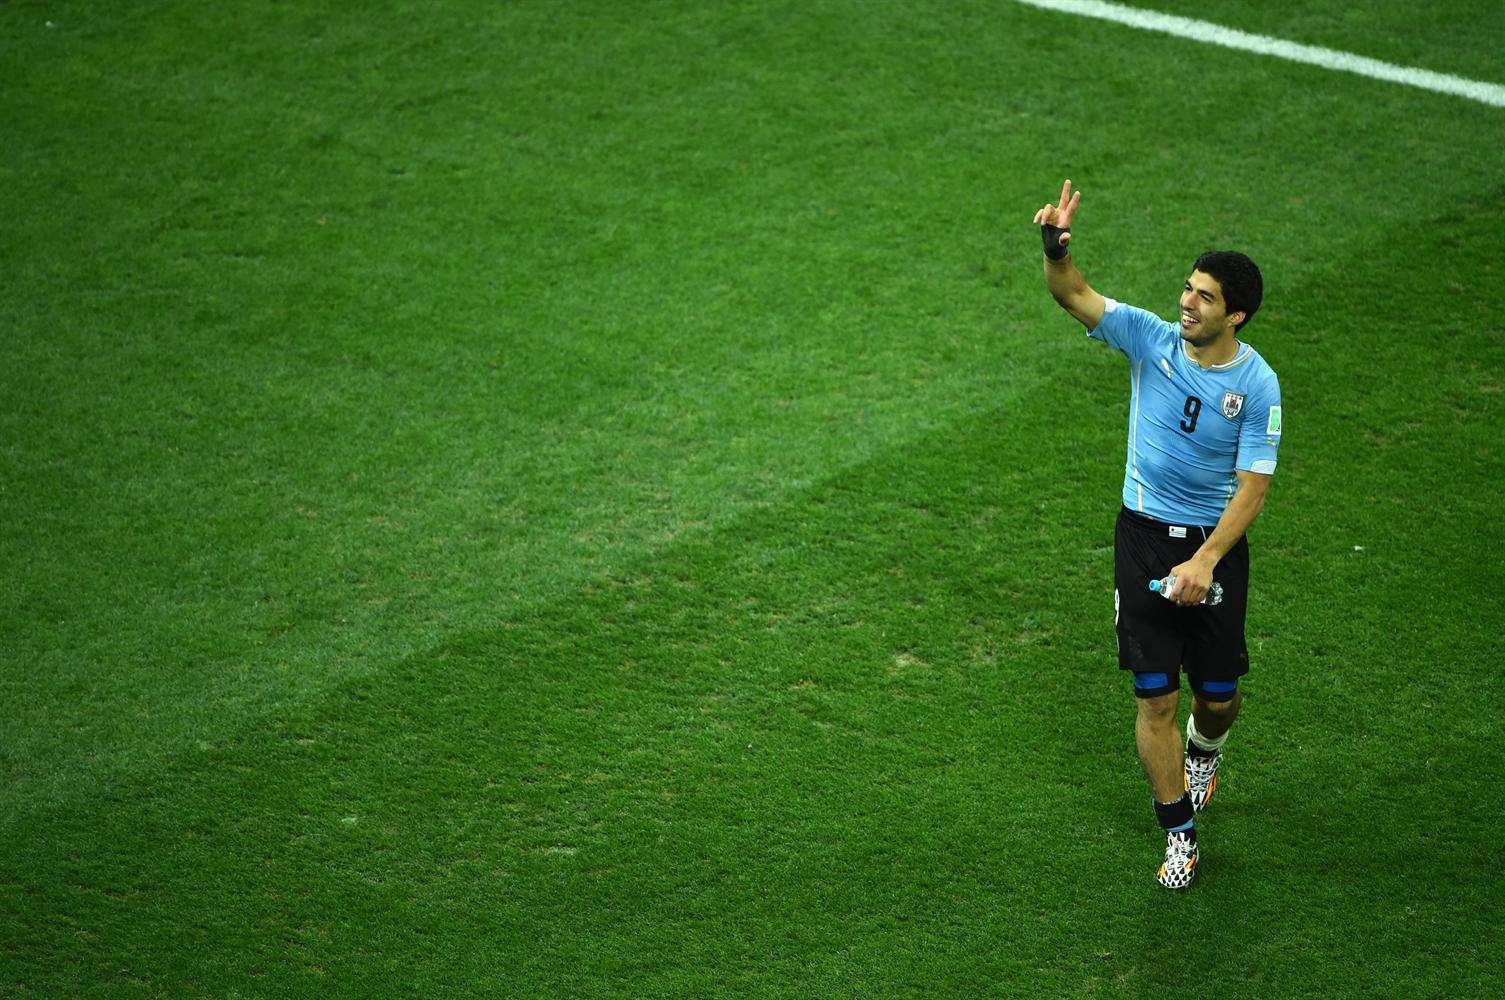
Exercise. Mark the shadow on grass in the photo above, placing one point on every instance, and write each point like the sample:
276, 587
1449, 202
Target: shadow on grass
859, 729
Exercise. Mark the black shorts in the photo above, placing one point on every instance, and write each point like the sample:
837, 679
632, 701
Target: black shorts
1154, 635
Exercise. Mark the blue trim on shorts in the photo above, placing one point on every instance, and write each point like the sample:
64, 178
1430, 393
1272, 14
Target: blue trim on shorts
1219, 687
1143, 680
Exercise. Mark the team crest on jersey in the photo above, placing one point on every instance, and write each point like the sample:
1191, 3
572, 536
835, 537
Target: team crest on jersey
1233, 404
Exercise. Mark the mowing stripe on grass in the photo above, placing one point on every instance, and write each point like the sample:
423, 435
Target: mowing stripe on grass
1215, 34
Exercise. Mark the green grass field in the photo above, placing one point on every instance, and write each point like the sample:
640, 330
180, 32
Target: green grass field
584, 499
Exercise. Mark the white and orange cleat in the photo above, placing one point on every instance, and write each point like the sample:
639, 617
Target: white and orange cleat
1180, 865
1202, 779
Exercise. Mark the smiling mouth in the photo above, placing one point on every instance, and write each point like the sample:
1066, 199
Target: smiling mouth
1188, 320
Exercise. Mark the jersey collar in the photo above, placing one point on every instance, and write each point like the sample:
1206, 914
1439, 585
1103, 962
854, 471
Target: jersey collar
1244, 351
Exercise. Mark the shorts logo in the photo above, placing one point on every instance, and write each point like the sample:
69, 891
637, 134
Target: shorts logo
1233, 404
1274, 425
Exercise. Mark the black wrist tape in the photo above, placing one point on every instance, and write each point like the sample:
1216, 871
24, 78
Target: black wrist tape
1052, 237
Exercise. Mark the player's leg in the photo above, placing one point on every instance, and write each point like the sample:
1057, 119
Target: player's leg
1206, 730
1212, 715
1150, 645
1216, 657
1159, 747
1159, 743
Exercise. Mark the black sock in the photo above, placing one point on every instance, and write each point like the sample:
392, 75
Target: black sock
1192, 750
1175, 815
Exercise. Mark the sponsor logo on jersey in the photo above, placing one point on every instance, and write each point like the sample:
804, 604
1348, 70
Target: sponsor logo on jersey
1274, 425
1233, 404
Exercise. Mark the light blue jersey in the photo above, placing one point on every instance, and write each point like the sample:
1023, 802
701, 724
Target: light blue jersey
1189, 427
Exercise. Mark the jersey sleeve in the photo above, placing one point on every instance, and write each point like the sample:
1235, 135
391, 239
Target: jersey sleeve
1259, 438
1126, 327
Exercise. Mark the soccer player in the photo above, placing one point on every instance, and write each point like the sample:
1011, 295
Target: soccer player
1204, 426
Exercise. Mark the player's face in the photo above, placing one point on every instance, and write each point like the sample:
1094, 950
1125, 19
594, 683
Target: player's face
1204, 314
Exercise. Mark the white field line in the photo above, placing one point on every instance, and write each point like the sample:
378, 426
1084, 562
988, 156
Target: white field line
1215, 34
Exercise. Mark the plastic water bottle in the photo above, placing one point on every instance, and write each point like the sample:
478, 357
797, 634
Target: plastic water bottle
1163, 588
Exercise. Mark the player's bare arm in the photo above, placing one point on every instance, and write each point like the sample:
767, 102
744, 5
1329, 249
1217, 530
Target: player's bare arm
1194, 576
1065, 282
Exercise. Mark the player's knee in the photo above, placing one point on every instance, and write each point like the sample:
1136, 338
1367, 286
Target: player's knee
1158, 709
1220, 708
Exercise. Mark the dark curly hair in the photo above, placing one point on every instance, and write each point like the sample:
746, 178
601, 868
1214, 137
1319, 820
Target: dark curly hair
1239, 276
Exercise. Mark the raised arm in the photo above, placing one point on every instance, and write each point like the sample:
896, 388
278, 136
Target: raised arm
1065, 282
